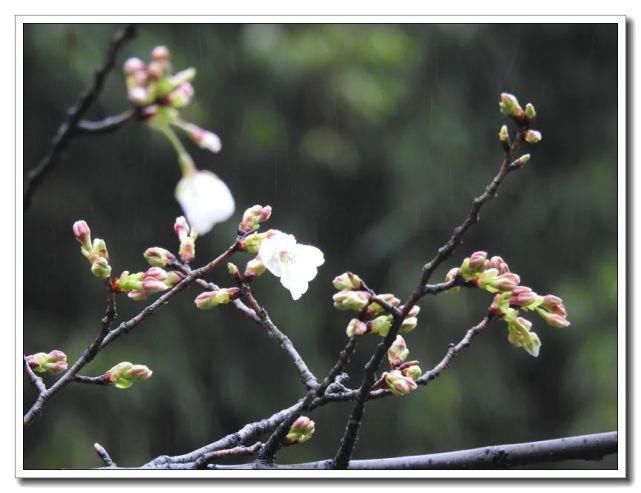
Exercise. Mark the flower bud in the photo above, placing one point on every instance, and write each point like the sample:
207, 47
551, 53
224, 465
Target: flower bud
129, 282
253, 216
124, 374
519, 335
491, 281
133, 65
520, 162
301, 430
101, 268
553, 319
83, 234
398, 383
233, 270
409, 324
351, 300
524, 297
554, 304
530, 112
204, 138
181, 96
183, 76
397, 352
509, 106
161, 53
173, 278
99, 249
452, 274
187, 249
375, 309
210, 299
159, 257
54, 362
356, 327
477, 260
181, 228
347, 281
499, 264
255, 268
533, 136
251, 243
380, 325
503, 134
412, 371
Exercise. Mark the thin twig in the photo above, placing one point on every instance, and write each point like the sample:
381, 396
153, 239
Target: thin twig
35, 380
69, 127
584, 447
104, 455
88, 355
106, 125
99, 380
231, 452
350, 437
306, 376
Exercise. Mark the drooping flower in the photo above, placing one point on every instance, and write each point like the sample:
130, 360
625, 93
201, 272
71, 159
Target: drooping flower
295, 264
205, 199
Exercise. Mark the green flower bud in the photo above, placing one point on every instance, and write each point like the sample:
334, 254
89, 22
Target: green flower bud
125, 374
53, 362
533, 136
398, 383
251, 243
412, 371
101, 268
159, 257
351, 300
520, 162
254, 269
530, 112
356, 327
509, 106
503, 134
210, 299
409, 324
253, 217
380, 325
347, 281
301, 430
398, 352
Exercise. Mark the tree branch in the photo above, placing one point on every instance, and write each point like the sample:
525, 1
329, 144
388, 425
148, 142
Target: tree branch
88, 355
106, 125
69, 127
350, 437
104, 455
584, 447
35, 380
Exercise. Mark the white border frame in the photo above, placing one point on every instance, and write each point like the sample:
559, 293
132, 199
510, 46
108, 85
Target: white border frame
348, 19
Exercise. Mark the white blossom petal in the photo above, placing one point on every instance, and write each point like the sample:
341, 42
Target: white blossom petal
205, 199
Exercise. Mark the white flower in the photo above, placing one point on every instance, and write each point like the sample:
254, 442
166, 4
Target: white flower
205, 199
294, 263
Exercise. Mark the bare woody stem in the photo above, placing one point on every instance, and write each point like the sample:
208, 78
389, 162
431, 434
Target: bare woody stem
107, 336
69, 128
350, 437
231, 452
306, 376
106, 125
584, 447
88, 355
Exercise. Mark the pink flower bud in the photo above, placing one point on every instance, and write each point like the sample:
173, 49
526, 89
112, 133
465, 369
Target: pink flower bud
554, 304
380, 325
506, 282
523, 296
398, 383
253, 216
159, 257
160, 53
181, 96
124, 374
351, 300
181, 228
477, 260
452, 274
499, 264
137, 95
553, 319
254, 269
301, 430
356, 327
398, 352
133, 65
82, 233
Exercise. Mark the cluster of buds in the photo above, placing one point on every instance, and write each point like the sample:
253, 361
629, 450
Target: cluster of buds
253, 217
141, 285
124, 374
209, 299
401, 380
96, 251
511, 108
53, 362
510, 298
187, 238
353, 296
301, 430
159, 92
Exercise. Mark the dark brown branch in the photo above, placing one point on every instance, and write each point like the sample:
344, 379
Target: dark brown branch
350, 437
88, 355
69, 127
99, 380
306, 376
35, 380
584, 447
104, 455
106, 125
268, 452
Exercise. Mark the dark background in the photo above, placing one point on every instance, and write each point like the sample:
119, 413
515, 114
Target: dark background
369, 141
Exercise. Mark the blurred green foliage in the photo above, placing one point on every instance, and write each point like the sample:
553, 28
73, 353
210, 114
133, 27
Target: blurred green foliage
369, 141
